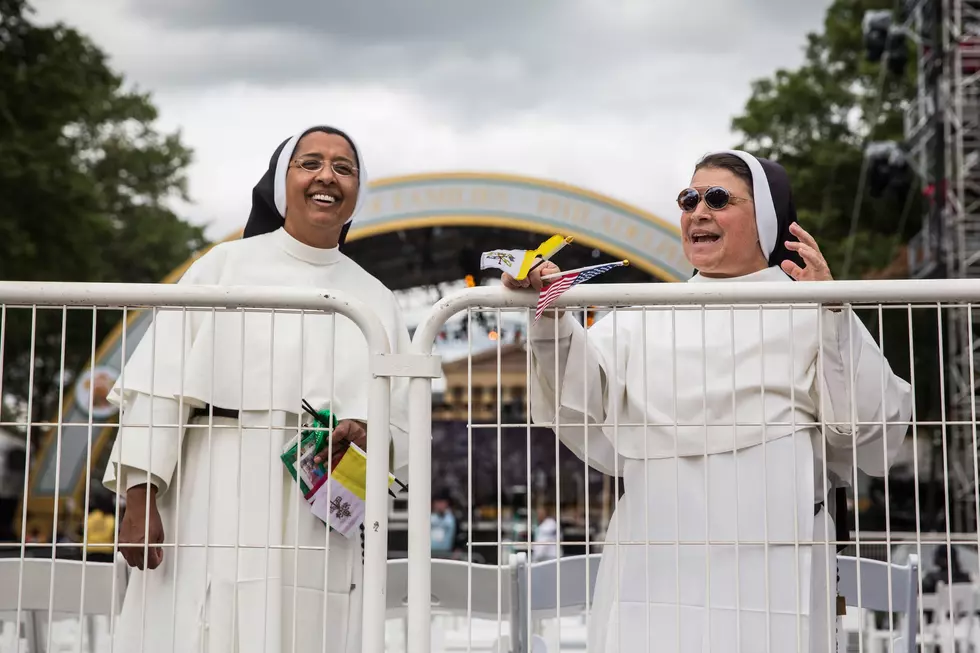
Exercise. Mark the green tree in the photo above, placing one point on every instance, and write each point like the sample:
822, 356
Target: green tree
816, 120
85, 181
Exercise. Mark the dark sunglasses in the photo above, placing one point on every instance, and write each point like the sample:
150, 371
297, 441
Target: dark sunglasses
715, 198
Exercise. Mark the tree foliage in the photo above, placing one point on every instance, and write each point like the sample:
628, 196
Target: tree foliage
815, 120
85, 182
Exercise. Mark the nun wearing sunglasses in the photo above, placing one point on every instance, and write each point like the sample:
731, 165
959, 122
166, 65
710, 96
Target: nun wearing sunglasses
254, 570
734, 429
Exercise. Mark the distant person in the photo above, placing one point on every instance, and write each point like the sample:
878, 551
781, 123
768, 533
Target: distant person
68, 543
946, 568
545, 536
442, 525
225, 390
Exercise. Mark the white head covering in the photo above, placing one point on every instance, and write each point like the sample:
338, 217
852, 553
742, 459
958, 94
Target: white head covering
286, 154
269, 195
774, 208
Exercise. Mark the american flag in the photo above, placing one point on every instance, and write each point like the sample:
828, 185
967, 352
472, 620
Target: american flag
553, 291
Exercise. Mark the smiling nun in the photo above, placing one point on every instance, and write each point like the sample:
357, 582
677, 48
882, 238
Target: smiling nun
223, 398
726, 419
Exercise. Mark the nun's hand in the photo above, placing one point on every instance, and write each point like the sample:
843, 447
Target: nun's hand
143, 527
533, 279
815, 265
348, 431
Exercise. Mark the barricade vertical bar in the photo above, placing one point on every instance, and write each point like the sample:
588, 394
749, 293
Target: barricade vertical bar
738, 533
86, 508
500, 472
376, 515
27, 468
299, 434
57, 468
585, 470
945, 436
765, 479
796, 496
419, 503
880, 317
852, 384
469, 495
973, 429
915, 464
518, 628
646, 480
117, 492
238, 492
179, 471
297, 495
707, 480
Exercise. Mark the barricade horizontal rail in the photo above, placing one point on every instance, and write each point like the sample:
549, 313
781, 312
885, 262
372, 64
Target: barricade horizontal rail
34, 297
948, 305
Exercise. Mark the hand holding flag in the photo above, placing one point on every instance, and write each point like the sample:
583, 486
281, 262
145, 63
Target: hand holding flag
519, 262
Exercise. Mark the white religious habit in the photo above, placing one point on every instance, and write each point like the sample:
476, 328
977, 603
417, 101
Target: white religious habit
236, 580
719, 422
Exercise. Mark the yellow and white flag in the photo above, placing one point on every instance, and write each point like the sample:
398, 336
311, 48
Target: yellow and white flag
340, 500
517, 262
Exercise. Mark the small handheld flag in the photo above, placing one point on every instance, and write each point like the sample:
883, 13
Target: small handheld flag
562, 281
518, 262
335, 492
340, 500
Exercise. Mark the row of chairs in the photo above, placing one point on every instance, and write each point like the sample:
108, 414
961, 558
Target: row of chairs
519, 592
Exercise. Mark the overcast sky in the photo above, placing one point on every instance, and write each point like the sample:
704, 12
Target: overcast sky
618, 96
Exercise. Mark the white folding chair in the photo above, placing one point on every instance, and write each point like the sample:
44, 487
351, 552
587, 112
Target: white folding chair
875, 595
27, 583
954, 619
457, 589
541, 580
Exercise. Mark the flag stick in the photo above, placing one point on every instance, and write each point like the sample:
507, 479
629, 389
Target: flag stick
548, 258
549, 277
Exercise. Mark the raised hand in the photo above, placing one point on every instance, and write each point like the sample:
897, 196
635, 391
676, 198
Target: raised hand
815, 265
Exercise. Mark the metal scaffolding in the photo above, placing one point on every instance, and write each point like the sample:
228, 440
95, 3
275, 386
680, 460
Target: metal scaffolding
943, 139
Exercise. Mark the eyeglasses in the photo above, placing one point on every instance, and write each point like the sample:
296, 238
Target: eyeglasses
715, 198
341, 167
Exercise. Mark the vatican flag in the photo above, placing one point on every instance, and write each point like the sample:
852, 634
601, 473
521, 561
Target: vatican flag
518, 262
339, 501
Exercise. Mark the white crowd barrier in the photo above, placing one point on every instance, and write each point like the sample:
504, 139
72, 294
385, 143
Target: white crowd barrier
49, 314
510, 588
935, 471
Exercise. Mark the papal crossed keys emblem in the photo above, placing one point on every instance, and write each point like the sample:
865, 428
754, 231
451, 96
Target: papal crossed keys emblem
342, 509
504, 257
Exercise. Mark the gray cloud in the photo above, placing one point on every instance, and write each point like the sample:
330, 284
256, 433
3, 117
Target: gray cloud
621, 96
477, 58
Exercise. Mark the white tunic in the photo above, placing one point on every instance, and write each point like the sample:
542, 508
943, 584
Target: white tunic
227, 503
708, 415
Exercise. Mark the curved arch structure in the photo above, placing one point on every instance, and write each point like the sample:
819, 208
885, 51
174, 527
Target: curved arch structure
546, 207
458, 199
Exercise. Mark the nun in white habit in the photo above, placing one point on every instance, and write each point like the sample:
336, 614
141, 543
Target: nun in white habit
726, 419
223, 398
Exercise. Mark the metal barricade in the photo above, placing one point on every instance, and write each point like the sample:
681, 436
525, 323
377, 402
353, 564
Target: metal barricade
46, 316
917, 505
